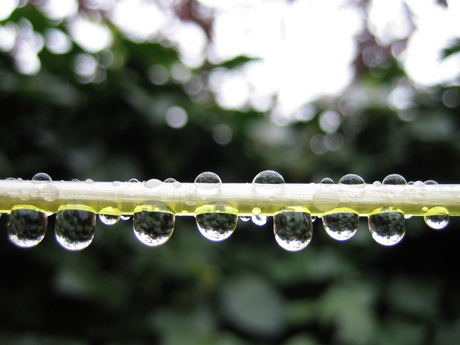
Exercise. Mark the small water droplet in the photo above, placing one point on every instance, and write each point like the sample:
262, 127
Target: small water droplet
175, 183
153, 228
352, 179
377, 183
89, 181
436, 218
41, 178
268, 178
152, 183
419, 184
27, 227
394, 179
387, 225
116, 183
341, 224
327, 180
125, 217
430, 183
109, 219
75, 228
133, 180
50, 192
259, 219
293, 230
216, 222
245, 218
208, 180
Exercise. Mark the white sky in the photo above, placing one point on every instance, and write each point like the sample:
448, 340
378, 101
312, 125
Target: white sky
305, 46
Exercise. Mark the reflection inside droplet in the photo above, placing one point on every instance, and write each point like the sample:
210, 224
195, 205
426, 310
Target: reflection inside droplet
293, 230
216, 222
75, 229
153, 228
387, 225
341, 224
27, 227
436, 218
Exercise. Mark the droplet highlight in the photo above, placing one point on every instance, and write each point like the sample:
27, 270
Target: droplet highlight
293, 228
216, 222
41, 178
27, 227
341, 224
75, 227
436, 218
387, 225
208, 180
153, 228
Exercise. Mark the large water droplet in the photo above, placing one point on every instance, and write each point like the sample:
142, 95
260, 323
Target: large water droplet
208, 180
436, 218
216, 222
293, 230
153, 228
27, 227
352, 179
75, 228
387, 225
394, 179
341, 224
41, 178
268, 177
109, 219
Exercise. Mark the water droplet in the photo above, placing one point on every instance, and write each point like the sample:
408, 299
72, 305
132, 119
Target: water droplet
419, 184
27, 227
116, 183
430, 183
152, 183
208, 180
293, 230
176, 184
377, 183
394, 179
153, 228
341, 223
133, 180
125, 217
89, 181
352, 179
109, 219
268, 177
50, 192
436, 218
325, 199
41, 178
245, 218
216, 222
259, 219
75, 228
327, 180
387, 225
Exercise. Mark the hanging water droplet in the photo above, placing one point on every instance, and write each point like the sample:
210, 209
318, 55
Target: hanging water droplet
327, 180
352, 179
27, 227
75, 228
387, 225
109, 219
125, 217
259, 219
208, 180
245, 218
293, 229
41, 178
267, 178
436, 218
153, 228
216, 222
152, 183
341, 223
394, 179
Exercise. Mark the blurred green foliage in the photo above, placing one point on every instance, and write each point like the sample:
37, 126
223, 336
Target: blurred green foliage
245, 290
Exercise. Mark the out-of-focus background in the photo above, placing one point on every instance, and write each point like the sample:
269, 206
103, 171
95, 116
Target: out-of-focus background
117, 89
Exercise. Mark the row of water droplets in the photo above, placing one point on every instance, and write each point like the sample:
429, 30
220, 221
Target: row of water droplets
153, 222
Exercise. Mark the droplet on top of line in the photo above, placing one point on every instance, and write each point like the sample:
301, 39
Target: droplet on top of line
394, 179
208, 180
41, 178
27, 227
216, 222
153, 228
75, 228
268, 178
327, 180
352, 179
436, 218
293, 229
341, 224
387, 225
